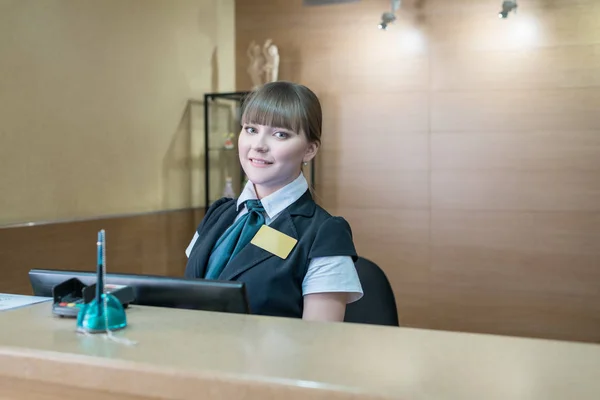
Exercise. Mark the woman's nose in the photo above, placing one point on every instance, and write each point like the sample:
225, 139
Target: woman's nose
260, 143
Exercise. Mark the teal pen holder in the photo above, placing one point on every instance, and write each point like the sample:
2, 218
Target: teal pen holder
110, 316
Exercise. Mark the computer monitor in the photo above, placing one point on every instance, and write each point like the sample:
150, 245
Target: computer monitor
157, 291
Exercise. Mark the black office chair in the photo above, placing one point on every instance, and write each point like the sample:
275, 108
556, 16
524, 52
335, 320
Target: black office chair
378, 304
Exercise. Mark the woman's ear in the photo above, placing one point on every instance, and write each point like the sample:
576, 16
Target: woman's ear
311, 151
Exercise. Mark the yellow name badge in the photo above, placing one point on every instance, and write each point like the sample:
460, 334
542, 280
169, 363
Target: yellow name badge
274, 241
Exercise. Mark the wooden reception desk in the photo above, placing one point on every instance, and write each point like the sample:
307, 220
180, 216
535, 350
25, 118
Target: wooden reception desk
184, 354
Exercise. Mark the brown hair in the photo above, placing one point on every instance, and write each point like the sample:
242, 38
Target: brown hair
287, 105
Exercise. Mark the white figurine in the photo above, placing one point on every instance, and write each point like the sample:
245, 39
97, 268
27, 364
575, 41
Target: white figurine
271, 66
257, 64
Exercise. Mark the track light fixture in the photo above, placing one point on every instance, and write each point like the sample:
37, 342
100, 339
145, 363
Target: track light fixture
507, 7
389, 17
386, 18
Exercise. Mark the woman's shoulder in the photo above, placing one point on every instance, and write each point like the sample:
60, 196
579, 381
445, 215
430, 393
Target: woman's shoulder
219, 206
329, 226
324, 216
223, 201
333, 236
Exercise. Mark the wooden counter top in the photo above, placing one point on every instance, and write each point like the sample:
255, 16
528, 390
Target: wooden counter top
184, 354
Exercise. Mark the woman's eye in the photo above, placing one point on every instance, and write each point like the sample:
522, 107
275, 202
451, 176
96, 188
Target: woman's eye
281, 135
250, 129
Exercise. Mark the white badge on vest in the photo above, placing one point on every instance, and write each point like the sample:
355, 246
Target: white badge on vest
274, 242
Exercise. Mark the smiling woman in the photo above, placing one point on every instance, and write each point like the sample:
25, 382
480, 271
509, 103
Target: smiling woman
273, 157
283, 120
316, 277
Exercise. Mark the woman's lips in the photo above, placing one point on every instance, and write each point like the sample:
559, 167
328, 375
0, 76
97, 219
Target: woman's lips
258, 162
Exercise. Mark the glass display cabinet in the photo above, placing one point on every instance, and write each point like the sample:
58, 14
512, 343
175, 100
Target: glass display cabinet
222, 127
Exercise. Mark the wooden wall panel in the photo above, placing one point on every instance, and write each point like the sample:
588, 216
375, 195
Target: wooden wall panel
516, 190
151, 244
411, 152
461, 307
504, 249
516, 110
472, 24
388, 114
576, 66
535, 151
463, 149
385, 190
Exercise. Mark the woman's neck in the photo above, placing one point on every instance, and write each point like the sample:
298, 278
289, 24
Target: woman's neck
265, 191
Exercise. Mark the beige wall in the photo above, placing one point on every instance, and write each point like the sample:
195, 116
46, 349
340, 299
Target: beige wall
93, 98
463, 149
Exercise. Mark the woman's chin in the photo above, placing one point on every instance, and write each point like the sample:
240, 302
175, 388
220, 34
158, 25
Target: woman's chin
258, 181
260, 175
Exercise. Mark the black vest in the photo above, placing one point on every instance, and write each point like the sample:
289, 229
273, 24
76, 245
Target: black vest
274, 285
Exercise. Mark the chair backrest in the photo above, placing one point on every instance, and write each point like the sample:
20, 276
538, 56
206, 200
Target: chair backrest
378, 304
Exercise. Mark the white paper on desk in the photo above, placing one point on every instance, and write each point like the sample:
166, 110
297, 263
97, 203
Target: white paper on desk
10, 301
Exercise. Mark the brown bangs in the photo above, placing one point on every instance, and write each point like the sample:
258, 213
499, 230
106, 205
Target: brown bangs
278, 107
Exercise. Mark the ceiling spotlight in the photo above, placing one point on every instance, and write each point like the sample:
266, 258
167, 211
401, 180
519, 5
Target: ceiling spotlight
386, 18
507, 7
389, 16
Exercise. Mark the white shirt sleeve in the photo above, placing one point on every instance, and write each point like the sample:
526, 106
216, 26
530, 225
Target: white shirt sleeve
191, 245
332, 274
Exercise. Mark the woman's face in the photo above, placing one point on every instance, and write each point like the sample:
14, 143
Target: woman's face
272, 157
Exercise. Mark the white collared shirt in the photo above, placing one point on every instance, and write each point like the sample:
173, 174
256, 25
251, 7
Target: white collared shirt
325, 274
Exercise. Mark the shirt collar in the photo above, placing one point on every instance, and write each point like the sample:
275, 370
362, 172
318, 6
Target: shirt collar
278, 201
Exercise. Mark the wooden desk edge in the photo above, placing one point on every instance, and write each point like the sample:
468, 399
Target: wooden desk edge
43, 370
